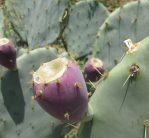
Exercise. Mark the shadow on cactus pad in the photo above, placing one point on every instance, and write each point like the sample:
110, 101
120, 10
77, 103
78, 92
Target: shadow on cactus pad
13, 96
86, 129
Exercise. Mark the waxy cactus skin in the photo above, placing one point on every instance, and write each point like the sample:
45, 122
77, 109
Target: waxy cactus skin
64, 97
93, 69
7, 54
119, 105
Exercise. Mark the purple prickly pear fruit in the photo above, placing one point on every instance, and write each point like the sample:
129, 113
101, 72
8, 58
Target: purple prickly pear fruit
7, 54
60, 89
93, 69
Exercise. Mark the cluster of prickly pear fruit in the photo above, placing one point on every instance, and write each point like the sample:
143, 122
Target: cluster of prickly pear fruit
64, 94
119, 98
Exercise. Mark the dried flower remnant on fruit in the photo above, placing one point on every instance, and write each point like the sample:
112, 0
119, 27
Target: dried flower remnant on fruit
50, 72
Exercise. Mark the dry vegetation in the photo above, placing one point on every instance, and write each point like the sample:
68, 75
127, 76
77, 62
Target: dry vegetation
113, 4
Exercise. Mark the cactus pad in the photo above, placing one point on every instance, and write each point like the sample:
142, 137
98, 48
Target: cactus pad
122, 111
126, 22
37, 21
1, 23
85, 17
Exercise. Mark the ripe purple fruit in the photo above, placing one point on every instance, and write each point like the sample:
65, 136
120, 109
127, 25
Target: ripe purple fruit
7, 54
93, 69
60, 89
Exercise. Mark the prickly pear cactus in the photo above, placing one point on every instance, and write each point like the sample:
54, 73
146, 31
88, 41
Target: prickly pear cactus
126, 22
122, 111
85, 17
36, 21
20, 116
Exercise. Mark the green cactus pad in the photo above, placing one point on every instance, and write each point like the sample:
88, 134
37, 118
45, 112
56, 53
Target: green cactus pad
129, 21
1, 23
21, 51
37, 21
85, 17
20, 116
121, 111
